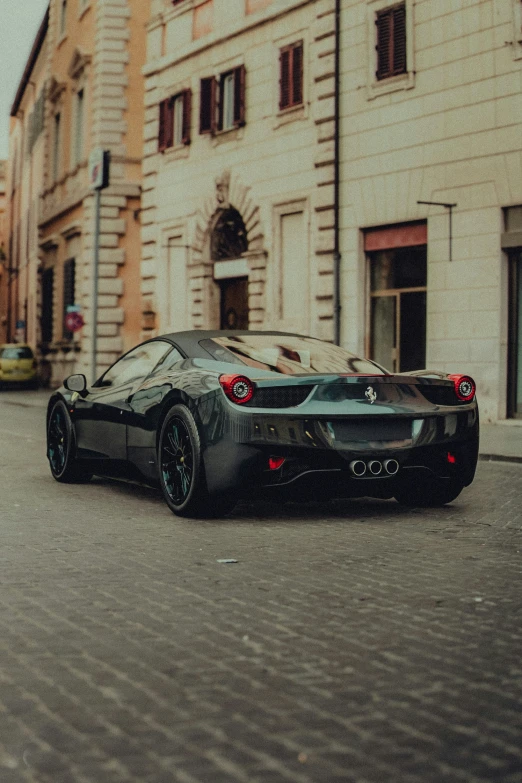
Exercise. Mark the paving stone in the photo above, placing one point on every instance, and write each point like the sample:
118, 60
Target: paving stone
353, 641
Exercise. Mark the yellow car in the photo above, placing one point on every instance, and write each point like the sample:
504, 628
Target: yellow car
17, 365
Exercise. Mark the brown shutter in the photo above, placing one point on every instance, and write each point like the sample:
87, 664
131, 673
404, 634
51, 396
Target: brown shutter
163, 108
187, 110
239, 96
399, 39
207, 112
383, 25
297, 74
284, 78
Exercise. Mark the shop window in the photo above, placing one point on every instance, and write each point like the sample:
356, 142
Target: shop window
398, 276
391, 41
222, 101
291, 76
174, 120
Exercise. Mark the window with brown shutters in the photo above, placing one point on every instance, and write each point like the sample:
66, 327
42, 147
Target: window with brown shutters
391, 41
174, 120
291, 75
222, 101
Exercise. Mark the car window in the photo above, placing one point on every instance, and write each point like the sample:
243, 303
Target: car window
24, 352
287, 354
136, 364
165, 363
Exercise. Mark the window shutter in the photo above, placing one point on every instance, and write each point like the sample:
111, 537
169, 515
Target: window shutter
297, 74
187, 111
399, 39
383, 24
239, 96
207, 111
163, 112
284, 79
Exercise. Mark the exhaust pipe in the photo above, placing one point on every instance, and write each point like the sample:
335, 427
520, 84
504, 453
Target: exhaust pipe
375, 467
358, 467
391, 466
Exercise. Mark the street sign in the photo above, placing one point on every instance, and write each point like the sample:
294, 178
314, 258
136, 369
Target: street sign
99, 164
73, 321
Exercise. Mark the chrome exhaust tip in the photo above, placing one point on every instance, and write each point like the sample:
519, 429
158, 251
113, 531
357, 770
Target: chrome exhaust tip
391, 466
375, 467
358, 467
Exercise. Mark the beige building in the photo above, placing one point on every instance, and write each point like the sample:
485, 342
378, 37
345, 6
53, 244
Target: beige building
246, 106
24, 184
431, 112
87, 76
238, 165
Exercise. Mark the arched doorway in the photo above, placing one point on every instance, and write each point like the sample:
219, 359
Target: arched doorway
228, 243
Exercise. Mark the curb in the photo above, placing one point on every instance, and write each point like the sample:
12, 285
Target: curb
500, 458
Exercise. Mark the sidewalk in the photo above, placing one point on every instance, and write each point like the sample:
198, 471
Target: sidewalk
500, 441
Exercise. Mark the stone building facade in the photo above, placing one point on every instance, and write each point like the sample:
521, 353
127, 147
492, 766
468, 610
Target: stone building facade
92, 97
431, 112
237, 194
3, 257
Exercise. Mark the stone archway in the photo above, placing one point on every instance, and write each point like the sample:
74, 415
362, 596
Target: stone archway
228, 224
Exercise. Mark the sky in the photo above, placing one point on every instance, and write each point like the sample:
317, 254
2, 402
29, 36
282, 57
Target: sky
19, 23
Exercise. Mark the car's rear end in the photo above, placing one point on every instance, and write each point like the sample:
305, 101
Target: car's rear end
17, 366
353, 435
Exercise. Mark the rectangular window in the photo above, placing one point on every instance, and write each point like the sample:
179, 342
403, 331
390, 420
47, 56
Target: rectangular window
515, 334
47, 305
78, 129
69, 274
174, 120
391, 41
56, 146
291, 75
223, 101
63, 17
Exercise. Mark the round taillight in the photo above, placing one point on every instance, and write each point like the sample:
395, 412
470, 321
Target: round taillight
237, 388
465, 387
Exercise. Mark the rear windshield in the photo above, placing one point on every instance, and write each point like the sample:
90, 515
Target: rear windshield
16, 353
287, 354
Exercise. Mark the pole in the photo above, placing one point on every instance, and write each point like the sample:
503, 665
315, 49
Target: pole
96, 260
337, 254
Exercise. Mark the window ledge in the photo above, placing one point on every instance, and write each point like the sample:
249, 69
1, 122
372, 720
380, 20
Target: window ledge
83, 11
292, 114
176, 153
405, 81
230, 134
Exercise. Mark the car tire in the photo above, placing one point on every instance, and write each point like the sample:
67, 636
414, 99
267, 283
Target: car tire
181, 469
429, 494
61, 447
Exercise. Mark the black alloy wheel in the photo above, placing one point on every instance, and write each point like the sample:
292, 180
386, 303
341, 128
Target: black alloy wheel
61, 447
177, 460
181, 470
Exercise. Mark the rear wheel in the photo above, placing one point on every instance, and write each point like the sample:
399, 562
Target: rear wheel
182, 475
61, 447
429, 494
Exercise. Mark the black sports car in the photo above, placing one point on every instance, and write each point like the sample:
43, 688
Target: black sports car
210, 416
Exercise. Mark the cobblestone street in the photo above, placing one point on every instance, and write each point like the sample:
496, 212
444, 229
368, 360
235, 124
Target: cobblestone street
352, 641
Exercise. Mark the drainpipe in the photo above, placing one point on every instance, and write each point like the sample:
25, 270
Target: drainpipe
337, 254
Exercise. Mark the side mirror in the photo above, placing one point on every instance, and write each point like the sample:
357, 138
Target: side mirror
76, 383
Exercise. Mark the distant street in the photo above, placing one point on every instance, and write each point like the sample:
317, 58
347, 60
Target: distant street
352, 641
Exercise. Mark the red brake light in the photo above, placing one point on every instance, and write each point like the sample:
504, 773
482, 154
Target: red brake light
275, 462
237, 388
465, 387
451, 458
